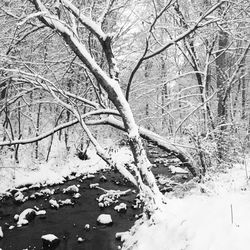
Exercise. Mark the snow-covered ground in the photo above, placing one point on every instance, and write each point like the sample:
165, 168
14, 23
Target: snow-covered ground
214, 215
54, 171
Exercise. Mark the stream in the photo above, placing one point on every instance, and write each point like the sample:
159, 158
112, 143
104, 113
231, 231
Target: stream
68, 221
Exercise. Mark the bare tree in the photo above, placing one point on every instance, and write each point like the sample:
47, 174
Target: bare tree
80, 45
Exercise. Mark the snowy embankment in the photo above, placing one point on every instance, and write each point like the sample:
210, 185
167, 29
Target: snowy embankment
54, 171
214, 215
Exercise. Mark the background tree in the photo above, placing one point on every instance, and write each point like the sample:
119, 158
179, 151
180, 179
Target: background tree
61, 68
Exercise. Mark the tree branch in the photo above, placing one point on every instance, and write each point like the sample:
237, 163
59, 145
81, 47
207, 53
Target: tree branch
58, 128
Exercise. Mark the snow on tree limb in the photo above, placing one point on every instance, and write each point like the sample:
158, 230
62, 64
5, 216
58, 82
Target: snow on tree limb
57, 128
32, 78
171, 42
96, 29
177, 151
148, 187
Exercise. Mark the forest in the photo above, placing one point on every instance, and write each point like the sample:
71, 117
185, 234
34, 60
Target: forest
83, 76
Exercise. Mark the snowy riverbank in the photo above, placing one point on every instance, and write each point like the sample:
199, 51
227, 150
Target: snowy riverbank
54, 171
212, 216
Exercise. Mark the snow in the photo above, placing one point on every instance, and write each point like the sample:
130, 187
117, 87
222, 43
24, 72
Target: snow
1, 232
122, 236
16, 217
88, 176
66, 202
94, 185
214, 215
41, 212
122, 207
53, 203
77, 195
47, 191
71, 189
19, 197
49, 237
104, 219
103, 178
22, 219
47, 173
177, 170
80, 239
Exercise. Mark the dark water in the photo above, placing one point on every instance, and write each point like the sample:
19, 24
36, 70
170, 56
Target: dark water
68, 222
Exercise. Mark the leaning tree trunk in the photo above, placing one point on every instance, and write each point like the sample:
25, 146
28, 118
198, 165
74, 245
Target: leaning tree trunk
186, 159
145, 179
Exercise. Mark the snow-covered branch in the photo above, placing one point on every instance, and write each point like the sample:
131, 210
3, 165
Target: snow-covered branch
96, 29
177, 151
58, 128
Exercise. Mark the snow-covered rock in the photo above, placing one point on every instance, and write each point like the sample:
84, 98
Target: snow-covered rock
104, 219
101, 205
11, 227
110, 197
121, 208
103, 178
122, 236
80, 239
48, 191
53, 203
36, 194
66, 202
41, 212
94, 185
16, 217
88, 176
1, 232
77, 195
137, 203
19, 197
50, 241
27, 215
71, 189
177, 170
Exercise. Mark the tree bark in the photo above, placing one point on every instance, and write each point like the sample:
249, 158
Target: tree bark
186, 159
153, 199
